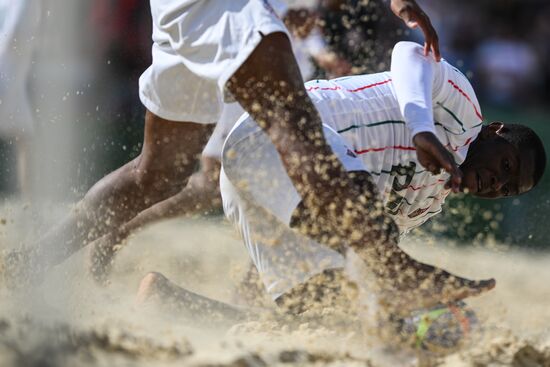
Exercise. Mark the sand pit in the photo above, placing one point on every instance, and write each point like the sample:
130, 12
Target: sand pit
70, 321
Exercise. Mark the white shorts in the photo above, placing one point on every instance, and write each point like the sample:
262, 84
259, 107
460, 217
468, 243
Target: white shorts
197, 46
259, 198
230, 114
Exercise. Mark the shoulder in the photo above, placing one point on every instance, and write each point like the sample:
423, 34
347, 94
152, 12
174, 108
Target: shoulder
408, 46
457, 93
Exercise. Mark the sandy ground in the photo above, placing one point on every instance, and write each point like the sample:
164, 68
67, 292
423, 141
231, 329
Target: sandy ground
69, 321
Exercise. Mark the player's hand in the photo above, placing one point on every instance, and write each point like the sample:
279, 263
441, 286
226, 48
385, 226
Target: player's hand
433, 156
414, 17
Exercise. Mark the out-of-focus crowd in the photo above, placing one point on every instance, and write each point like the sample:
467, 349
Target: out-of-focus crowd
504, 45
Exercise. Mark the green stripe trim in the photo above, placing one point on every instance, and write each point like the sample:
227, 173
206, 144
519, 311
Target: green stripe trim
455, 133
371, 125
449, 130
456, 119
452, 115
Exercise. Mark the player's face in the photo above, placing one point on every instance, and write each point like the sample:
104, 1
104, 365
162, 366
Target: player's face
494, 168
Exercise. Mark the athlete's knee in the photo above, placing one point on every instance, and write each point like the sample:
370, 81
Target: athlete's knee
159, 178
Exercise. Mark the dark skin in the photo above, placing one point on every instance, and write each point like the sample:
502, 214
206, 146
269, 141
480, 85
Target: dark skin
414, 17
327, 190
268, 86
495, 168
431, 153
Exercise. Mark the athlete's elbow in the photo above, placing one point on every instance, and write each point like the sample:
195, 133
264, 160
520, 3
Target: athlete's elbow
406, 49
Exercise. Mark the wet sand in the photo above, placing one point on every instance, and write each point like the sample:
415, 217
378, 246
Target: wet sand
70, 321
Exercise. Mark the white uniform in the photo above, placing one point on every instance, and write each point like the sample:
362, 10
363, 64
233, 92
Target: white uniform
197, 46
259, 198
303, 50
19, 22
229, 116
377, 115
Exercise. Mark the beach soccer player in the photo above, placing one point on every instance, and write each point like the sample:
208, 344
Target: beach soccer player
372, 123
202, 195
205, 52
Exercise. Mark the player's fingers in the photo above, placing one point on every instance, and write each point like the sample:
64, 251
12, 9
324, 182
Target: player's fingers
447, 163
428, 161
435, 49
434, 44
413, 24
454, 182
456, 178
430, 35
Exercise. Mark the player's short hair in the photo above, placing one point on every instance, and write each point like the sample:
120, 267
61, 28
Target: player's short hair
524, 138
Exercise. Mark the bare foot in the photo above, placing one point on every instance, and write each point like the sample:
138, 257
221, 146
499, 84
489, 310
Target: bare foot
180, 301
150, 285
408, 284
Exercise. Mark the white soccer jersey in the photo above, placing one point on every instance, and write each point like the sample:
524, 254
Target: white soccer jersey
374, 116
365, 110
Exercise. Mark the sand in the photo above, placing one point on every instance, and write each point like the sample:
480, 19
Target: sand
70, 321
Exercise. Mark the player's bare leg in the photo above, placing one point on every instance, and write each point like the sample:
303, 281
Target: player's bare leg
270, 88
169, 156
202, 194
155, 287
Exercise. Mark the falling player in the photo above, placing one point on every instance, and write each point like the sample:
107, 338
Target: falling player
194, 65
371, 122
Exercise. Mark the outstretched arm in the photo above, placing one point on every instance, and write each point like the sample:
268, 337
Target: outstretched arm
413, 78
415, 17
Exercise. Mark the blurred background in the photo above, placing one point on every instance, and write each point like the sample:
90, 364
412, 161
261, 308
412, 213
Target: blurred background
82, 116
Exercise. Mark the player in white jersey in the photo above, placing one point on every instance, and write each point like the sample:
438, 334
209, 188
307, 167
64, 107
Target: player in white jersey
205, 51
202, 194
370, 122
377, 116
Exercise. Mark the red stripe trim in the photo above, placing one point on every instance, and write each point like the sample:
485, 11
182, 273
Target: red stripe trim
369, 86
454, 149
397, 147
467, 97
350, 90
424, 186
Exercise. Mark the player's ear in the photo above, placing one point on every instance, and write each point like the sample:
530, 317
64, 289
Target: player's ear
492, 130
